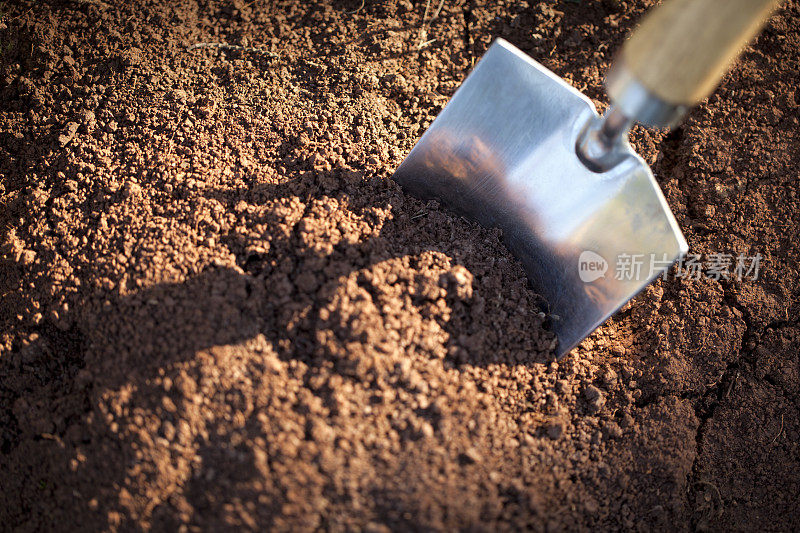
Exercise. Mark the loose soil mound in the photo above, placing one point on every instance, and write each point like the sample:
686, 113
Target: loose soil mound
218, 311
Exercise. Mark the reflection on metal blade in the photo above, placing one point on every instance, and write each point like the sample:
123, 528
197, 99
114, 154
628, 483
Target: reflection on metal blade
503, 153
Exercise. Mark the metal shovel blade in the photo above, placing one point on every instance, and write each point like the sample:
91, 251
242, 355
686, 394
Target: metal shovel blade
502, 152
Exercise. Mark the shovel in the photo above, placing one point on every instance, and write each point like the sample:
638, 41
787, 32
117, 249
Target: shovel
519, 149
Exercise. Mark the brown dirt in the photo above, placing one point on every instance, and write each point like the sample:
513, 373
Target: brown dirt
219, 312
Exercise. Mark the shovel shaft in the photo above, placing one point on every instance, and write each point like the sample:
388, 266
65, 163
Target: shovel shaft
679, 53
603, 144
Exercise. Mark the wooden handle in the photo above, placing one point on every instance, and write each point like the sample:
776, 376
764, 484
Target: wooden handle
683, 47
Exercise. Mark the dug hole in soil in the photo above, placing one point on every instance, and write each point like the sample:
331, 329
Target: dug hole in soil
218, 312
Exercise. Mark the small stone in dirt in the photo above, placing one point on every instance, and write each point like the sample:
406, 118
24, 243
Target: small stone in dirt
321, 432
554, 429
88, 118
591, 393
469, 456
168, 430
306, 282
612, 430
168, 404
28, 257
627, 420
609, 378
130, 189
374, 527
68, 133
405, 5
595, 398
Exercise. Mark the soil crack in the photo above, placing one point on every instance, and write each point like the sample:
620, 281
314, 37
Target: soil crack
706, 407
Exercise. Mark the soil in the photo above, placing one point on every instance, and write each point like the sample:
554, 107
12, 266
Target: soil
218, 311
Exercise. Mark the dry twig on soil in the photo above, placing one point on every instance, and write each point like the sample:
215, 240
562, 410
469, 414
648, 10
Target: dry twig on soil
779, 432
423, 31
356, 10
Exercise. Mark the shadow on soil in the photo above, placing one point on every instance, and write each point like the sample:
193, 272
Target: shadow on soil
56, 386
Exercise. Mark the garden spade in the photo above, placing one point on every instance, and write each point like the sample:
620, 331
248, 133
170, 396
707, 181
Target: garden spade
519, 149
